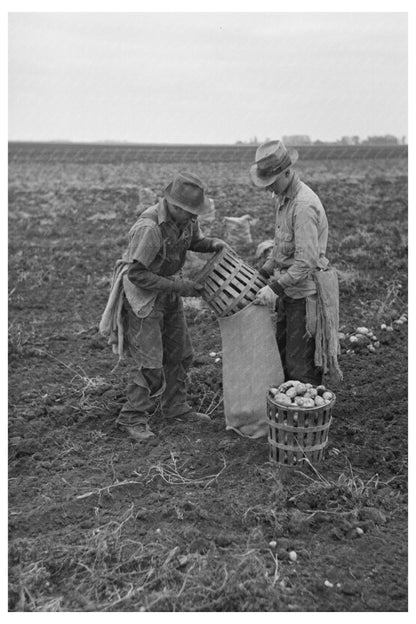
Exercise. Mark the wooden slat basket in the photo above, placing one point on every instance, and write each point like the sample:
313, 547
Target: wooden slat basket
298, 434
229, 283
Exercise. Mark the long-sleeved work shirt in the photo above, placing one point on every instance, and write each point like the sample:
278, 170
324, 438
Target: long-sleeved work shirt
300, 241
156, 252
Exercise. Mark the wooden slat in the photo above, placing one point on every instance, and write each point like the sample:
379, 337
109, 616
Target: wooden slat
230, 283
292, 440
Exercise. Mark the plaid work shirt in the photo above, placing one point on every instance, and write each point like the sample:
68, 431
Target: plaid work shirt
300, 241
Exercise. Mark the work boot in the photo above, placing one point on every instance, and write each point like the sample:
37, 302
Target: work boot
139, 433
194, 417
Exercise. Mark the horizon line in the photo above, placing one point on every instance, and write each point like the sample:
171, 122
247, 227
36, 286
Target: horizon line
237, 144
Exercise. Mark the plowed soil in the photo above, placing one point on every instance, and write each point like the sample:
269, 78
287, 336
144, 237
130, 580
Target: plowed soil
198, 518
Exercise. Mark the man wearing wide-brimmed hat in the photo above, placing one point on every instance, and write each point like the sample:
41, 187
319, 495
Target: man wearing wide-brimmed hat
144, 317
301, 235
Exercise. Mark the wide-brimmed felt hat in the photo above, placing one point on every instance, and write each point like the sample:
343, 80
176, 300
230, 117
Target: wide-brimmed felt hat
271, 159
188, 192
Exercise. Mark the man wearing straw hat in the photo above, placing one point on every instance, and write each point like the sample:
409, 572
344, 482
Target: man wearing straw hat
300, 241
144, 317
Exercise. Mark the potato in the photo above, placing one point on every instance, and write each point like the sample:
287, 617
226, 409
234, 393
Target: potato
273, 391
311, 393
327, 396
288, 384
292, 382
283, 399
319, 401
299, 400
308, 402
320, 389
300, 388
292, 392
293, 556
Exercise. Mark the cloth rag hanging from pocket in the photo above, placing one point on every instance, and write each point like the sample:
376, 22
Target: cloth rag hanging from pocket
327, 347
250, 365
111, 324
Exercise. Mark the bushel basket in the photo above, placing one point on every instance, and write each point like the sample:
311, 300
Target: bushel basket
229, 283
298, 434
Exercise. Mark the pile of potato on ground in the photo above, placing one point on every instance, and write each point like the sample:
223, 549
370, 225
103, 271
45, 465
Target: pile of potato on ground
364, 338
295, 393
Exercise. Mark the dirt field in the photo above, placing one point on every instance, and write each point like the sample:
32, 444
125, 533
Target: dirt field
197, 519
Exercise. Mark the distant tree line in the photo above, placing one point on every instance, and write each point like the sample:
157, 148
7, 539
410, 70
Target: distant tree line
304, 139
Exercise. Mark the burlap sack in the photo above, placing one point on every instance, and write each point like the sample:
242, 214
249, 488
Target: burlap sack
251, 363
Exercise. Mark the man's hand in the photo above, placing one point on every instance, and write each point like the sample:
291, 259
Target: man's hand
265, 296
218, 243
264, 273
187, 288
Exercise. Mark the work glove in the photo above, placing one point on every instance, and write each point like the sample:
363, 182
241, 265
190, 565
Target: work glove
217, 244
187, 288
266, 296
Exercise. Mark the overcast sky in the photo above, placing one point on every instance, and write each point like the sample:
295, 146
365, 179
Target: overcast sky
206, 77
